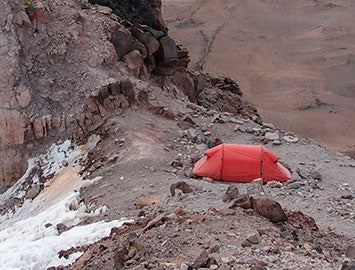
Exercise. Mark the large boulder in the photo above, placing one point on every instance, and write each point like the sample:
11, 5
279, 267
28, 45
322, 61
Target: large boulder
168, 54
268, 208
123, 42
183, 80
149, 41
133, 60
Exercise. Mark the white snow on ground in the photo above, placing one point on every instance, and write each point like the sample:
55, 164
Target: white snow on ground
25, 242
50, 163
28, 244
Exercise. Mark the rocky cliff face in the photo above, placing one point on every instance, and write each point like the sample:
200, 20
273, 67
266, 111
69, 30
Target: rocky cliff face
87, 61
142, 11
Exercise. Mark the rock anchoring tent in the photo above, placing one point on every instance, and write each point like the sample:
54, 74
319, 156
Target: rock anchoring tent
241, 163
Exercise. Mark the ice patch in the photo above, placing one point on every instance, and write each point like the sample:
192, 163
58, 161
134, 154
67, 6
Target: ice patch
25, 242
28, 244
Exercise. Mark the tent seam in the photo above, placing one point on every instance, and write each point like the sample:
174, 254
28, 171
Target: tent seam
221, 172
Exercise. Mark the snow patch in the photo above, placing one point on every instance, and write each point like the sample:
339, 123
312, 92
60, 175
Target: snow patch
28, 244
25, 241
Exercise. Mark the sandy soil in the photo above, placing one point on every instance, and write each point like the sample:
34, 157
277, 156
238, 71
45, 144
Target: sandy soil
295, 60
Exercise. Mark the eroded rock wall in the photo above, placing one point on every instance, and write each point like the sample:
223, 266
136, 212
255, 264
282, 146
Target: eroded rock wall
79, 69
147, 12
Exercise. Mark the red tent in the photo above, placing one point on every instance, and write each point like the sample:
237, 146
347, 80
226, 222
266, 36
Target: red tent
241, 163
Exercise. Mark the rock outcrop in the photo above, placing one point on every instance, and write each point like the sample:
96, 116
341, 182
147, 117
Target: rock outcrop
84, 64
142, 11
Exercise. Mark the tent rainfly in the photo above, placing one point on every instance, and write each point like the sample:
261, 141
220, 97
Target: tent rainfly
241, 163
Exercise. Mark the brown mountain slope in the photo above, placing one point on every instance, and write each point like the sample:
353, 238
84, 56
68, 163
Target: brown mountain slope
294, 59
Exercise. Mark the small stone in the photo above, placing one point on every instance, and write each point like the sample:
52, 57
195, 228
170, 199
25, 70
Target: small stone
225, 260
243, 129
347, 196
231, 193
268, 125
176, 164
33, 192
255, 187
146, 201
184, 266
245, 244
260, 262
217, 119
207, 133
253, 240
236, 128
61, 227
65, 163
316, 175
272, 136
188, 172
276, 142
350, 252
184, 187
104, 10
258, 267
294, 185
216, 248
200, 261
214, 267
290, 139
274, 184
307, 247
242, 201
348, 265
224, 267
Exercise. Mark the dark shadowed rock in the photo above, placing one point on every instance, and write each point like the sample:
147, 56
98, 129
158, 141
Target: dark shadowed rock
242, 201
245, 244
185, 83
204, 260
149, 41
176, 164
123, 42
258, 267
186, 122
119, 257
348, 265
140, 11
316, 175
269, 208
141, 48
253, 240
231, 193
127, 89
185, 188
167, 54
